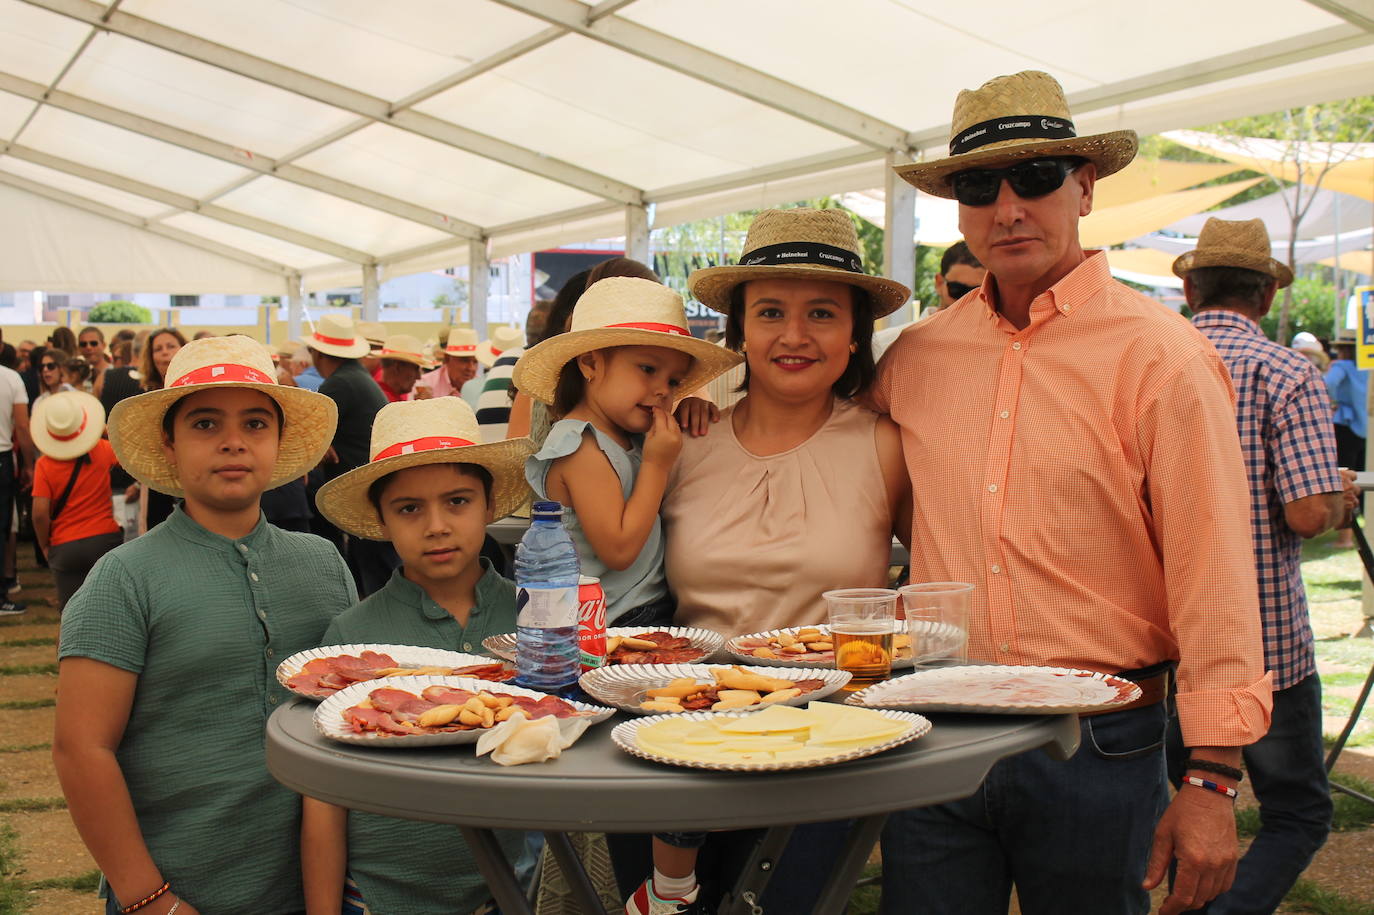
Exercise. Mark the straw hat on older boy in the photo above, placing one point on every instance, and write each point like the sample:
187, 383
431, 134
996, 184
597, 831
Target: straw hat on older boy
308, 419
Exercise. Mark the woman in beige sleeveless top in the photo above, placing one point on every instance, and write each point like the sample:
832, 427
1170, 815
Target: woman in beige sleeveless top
798, 489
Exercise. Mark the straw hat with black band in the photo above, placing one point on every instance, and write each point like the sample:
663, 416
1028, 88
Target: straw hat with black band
1014, 118
67, 425
503, 339
1234, 243
236, 361
798, 243
621, 311
338, 336
414, 433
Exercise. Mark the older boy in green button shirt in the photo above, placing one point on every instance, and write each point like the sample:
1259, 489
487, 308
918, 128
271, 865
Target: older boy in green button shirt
431, 489
169, 650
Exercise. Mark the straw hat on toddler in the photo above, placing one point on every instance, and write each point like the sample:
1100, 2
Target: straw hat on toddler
621, 311
413, 433
235, 361
67, 425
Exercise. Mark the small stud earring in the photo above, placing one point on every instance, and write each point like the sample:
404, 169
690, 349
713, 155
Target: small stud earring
853, 347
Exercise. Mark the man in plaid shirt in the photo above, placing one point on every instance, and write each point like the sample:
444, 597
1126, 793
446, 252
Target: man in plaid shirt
1296, 491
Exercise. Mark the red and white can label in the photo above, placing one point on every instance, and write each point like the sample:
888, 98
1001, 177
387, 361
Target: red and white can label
591, 622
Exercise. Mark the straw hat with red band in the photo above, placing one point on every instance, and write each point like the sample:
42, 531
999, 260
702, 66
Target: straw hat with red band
67, 425
798, 243
235, 361
621, 311
503, 340
404, 348
337, 335
1012, 118
413, 433
462, 341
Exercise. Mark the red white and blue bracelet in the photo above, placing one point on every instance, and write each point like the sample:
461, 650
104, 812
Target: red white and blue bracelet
1209, 785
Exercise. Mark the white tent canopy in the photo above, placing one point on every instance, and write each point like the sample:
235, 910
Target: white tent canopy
1328, 213
312, 142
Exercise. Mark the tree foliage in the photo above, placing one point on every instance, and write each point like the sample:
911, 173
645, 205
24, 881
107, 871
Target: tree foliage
119, 311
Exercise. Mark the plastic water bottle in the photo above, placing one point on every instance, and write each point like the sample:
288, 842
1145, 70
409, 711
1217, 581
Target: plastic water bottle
546, 573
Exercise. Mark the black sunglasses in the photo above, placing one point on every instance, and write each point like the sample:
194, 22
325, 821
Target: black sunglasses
958, 290
89, 343
47, 365
979, 187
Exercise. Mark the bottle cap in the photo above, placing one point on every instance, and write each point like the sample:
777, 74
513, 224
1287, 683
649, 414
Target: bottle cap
547, 510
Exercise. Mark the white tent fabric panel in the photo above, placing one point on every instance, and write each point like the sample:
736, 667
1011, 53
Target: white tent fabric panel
132, 204
385, 49
113, 149
51, 246
166, 87
395, 131
414, 168
282, 252
625, 117
1322, 209
321, 214
37, 43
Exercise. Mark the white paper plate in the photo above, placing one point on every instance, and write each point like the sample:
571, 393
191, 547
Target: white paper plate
623, 685
624, 737
733, 646
329, 720
503, 646
403, 655
1000, 689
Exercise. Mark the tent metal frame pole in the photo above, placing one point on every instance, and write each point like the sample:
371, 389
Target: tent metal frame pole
899, 244
479, 287
371, 292
637, 233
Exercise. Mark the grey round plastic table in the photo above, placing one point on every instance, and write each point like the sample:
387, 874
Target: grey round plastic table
595, 787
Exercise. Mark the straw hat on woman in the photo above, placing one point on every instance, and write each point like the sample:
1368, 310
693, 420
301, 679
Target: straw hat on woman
73, 519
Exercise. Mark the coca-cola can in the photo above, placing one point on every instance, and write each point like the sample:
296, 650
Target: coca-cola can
591, 622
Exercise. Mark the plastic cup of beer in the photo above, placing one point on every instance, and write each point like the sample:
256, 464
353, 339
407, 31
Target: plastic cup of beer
862, 623
937, 621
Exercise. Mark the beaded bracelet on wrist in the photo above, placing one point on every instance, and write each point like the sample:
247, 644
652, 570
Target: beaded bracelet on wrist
1207, 785
1216, 768
146, 900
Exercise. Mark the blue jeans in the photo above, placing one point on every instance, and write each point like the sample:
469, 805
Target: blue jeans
1287, 769
1072, 836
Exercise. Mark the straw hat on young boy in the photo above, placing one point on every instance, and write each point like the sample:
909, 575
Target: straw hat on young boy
337, 335
795, 244
503, 339
66, 425
1234, 243
1013, 118
621, 311
413, 433
236, 361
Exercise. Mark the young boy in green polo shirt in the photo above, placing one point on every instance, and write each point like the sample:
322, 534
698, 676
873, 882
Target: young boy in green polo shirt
431, 490
169, 650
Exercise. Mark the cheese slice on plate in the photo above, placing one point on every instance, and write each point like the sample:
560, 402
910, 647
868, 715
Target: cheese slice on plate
772, 719
854, 730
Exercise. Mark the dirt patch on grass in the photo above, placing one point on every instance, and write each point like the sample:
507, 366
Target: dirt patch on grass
16, 688
39, 629
49, 846
64, 902
28, 775
24, 727
32, 655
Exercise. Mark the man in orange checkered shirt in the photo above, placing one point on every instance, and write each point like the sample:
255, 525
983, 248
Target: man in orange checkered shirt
1073, 453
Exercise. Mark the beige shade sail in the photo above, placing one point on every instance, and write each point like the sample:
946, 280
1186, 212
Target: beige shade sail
1357, 261
1145, 262
1114, 225
1146, 178
1350, 171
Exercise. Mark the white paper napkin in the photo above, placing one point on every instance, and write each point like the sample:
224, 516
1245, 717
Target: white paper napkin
518, 740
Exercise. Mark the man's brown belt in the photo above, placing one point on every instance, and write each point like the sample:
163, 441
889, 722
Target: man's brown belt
1152, 690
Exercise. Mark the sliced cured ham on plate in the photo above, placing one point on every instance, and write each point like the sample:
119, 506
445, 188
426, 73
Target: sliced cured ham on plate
318, 673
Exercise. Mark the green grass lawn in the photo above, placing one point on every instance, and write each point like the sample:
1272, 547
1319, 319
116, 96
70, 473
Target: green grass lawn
1334, 581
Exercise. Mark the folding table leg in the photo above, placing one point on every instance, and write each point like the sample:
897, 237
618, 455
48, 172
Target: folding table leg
744, 898
863, 835
496, 870
579, 884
